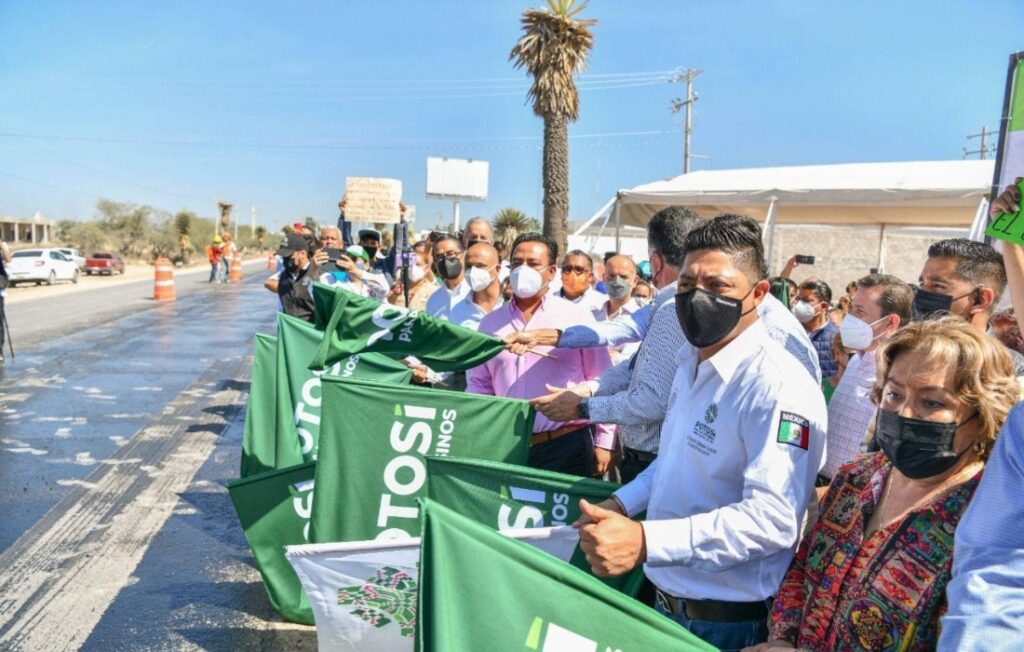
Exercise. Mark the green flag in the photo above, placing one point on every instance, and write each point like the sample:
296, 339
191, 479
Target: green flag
259, 441
505, 497
482, 591
274, 510
360, 325
299, 397
373, 440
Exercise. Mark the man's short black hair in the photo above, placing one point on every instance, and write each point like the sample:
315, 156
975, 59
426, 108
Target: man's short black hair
667, 230
579, 252
543, 239
977, 262
896, 296
820, 290
737, 235
443, 238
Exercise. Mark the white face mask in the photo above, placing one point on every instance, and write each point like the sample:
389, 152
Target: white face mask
479, 278
416, 273
856, 333
804, 311
526, 281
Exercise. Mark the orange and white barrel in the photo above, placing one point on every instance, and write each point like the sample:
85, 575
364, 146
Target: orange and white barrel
271, 263
235, 270
163, 285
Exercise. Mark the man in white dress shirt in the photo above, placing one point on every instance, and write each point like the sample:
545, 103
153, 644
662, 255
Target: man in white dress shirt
740, 448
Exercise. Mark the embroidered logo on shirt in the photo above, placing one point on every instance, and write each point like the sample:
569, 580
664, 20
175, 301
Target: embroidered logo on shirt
711, 414
794, 430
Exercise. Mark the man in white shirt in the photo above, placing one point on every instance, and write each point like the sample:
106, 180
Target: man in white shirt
880, 306
447, 256
740, 449
577, 281
619, 279
482, 277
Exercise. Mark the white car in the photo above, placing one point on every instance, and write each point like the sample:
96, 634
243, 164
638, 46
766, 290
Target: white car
41, 266
75, 255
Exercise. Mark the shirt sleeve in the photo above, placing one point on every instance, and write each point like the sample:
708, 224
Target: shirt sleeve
637, 494
621, 330
645, 398
595, 362
614, 379
986, 600
784, 437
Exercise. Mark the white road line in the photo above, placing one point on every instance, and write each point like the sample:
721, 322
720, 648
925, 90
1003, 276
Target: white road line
56, 587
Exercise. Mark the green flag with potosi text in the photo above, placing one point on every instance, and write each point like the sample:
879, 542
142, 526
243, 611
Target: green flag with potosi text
482, 591
506, 496
359, 325
299, 399
259, 441
274, 510
373, 440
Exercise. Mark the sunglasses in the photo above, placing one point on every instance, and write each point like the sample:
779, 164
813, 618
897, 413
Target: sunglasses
574, 269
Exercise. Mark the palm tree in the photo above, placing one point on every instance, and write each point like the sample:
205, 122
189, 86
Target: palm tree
509, 223
553, 48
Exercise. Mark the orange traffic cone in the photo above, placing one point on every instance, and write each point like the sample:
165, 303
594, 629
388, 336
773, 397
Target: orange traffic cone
163, 286
271, 263
235, 271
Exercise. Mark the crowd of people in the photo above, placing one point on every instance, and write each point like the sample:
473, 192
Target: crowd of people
814, 471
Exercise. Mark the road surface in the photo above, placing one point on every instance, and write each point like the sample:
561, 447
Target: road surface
120, 423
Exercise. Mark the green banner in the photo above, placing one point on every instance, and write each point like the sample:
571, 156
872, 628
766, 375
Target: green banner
506, 496
482, 591
373, 441
299, 398
259, 441
360, 325
274, 510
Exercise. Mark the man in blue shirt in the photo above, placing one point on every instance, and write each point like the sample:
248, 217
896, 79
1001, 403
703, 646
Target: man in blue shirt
813, 300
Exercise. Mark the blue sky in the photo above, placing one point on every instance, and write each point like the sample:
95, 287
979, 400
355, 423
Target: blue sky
274, 104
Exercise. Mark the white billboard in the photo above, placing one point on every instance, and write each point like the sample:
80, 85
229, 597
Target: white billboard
456, 178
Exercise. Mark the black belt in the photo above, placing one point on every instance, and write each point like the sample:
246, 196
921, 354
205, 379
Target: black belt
716, 611
640, 456
822, 481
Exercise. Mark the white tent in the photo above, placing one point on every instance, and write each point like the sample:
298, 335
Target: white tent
932, 194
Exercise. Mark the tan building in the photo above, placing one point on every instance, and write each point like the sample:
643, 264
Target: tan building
26, 230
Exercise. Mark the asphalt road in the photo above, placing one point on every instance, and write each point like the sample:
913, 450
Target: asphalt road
120, 422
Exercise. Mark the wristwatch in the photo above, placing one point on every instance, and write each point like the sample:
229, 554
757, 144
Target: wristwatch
582, 411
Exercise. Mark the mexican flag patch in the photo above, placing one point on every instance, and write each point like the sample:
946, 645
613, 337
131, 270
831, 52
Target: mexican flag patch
794, 430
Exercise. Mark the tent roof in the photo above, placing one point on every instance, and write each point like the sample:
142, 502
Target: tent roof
917, 193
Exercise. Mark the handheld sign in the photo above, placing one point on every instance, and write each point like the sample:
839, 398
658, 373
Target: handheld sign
1010, 156
369, 199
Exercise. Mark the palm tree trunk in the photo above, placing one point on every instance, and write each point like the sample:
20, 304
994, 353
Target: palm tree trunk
556, 180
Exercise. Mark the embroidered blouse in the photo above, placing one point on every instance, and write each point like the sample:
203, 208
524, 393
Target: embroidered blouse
886, 591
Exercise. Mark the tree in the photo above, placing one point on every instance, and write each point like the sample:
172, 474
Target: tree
128, 224
553, 49
261, 236
183, 225
509, 223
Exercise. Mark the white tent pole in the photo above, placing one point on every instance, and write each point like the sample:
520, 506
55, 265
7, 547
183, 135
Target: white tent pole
980, 222
881, 249
768, 234
618, 228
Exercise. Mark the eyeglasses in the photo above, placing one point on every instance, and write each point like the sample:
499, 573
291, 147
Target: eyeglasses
574, 269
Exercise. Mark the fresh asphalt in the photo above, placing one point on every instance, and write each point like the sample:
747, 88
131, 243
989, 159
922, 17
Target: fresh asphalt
116, 441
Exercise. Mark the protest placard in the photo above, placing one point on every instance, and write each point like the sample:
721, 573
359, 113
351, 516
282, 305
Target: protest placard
369, 199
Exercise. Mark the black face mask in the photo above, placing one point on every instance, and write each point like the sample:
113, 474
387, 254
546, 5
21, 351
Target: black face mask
706, 317
290, 265
917, 448
448, 268
371, 252
929, 303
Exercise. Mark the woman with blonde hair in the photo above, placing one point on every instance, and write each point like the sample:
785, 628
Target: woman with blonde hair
872, 572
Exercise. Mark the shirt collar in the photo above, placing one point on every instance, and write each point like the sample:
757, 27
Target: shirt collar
727, 361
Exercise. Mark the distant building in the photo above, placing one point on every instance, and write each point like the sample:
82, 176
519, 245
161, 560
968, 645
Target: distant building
26, 230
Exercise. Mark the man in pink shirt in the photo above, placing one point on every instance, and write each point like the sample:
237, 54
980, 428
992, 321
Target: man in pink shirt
574, 446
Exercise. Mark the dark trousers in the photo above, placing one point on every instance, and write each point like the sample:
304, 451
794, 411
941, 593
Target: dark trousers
572, 453
634, 463
3, 320
725, 636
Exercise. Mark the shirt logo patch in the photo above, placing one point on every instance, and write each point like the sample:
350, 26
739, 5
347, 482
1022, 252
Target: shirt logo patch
794, 430
711, 414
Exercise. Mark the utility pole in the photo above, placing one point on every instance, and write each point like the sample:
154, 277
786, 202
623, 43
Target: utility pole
253, 222
984, 149
679, 104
